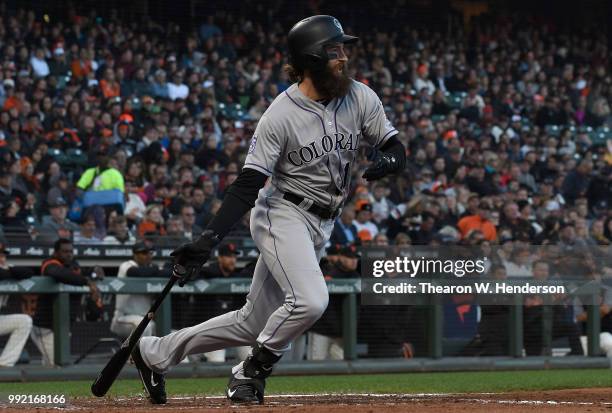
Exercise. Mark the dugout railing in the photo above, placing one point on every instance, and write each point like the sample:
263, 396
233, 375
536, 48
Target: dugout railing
347, 289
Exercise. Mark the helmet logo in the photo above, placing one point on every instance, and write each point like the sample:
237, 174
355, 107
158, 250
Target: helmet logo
338, 25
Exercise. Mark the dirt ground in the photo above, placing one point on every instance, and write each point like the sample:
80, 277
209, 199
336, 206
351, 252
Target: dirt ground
558, 401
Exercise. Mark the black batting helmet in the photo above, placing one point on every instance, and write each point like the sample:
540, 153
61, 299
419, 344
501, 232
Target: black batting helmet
307, 40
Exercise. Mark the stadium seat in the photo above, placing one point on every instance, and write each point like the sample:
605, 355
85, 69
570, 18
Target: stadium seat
553, 130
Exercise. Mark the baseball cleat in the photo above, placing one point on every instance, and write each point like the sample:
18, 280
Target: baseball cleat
154, 383
245, 391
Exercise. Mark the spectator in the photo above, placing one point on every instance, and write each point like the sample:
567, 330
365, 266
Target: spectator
576, 182
381, 240
87, 232
139, 86
472, 105
160, 86
567, 235
478, 222
83, 65
177, 89
598, 232
103, 177
59, 188
175, 235
363, 220
153, 222
109, 86
55, 225
13, 222
512, 220
188, 216
8, 192
198, 202
402, 240
422, 80
58, 67
519, 263
424, 232
344, 231
381, 205
119, 233
135, 207
39, 63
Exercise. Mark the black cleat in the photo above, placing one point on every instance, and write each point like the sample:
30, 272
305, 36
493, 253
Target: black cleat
246, 391
154, 383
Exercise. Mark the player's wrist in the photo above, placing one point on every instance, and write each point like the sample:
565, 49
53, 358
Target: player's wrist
392, 165
207, 240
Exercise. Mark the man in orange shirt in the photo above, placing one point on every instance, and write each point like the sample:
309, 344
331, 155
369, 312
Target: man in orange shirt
109, 86
479, 221
11, 101
82, 65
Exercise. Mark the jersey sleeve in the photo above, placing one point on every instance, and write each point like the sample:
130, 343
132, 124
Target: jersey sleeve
376, 127
265, 148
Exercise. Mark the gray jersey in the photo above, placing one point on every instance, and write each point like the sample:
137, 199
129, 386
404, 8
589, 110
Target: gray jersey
308, 148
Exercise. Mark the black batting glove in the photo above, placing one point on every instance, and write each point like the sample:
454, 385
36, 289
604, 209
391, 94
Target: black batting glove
384, 164
193, 255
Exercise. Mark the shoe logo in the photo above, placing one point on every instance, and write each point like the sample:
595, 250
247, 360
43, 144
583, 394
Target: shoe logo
266, 369
230, 393
153, 383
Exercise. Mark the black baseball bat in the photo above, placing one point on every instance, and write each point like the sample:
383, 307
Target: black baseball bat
109, 373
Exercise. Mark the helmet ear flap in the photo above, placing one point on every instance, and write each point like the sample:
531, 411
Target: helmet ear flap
314, 61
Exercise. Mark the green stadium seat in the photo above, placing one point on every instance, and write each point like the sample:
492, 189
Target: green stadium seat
455, 99
553, 130
59, 156
76, 157
600, 136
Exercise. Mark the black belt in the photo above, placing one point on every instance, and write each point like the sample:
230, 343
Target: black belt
314, 208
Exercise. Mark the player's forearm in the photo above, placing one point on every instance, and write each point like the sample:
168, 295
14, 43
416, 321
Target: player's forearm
65, 275
239, 199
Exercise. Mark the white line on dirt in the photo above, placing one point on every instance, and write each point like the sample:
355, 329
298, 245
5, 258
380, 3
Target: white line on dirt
405, 397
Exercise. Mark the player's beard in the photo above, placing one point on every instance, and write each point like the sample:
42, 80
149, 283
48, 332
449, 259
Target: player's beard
330, 83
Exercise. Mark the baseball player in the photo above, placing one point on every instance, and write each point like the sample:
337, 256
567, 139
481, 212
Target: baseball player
305, 142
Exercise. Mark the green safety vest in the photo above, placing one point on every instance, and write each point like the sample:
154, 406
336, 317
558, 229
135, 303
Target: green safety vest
110, 178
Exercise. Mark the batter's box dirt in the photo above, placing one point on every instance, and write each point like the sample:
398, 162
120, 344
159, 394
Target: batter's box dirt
558, 401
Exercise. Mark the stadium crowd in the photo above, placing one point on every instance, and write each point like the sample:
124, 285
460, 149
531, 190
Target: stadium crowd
506, 127
506, 123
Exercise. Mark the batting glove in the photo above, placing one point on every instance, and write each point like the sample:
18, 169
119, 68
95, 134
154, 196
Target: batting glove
384, 164
193, 255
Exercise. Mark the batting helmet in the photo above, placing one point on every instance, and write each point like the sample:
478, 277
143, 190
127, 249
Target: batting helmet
307, 40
